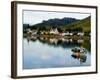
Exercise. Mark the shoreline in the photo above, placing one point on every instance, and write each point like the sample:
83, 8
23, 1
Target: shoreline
57, 36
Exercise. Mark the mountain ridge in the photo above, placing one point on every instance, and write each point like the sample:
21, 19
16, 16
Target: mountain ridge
64, 24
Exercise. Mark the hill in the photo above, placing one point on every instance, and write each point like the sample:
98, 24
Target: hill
54, 23
64, 24
84, 24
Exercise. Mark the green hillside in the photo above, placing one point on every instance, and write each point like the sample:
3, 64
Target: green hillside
84, 25
63, 25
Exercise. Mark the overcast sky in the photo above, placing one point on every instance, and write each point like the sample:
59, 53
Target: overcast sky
34, 17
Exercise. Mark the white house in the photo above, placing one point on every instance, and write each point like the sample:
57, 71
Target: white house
63, 39
80, 33
54, 31
54, 40
29, 31
65, 34
70, 34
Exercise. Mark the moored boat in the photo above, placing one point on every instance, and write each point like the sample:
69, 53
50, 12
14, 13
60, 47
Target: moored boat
79, 49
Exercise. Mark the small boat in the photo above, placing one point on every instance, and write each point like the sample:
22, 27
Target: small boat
79, 49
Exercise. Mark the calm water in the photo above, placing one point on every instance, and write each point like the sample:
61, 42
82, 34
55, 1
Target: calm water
54, 53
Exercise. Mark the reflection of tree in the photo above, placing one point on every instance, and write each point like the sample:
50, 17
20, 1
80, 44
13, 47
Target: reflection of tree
87, 44
59, 42
80, 56
62, 42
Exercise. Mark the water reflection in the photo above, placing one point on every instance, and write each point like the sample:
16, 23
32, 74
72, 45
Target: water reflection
81, 57
63, 42
43, 52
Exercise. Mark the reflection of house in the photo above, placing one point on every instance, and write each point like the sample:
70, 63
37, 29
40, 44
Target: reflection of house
41, 38
80, 33
66, 40
63, 39
54, 40
70, 40
80, 41
34, 32
33, 37
54, 31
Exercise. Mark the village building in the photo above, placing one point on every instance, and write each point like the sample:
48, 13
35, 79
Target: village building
54, 31
80, 33
70, 33
65, 33
29, 31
